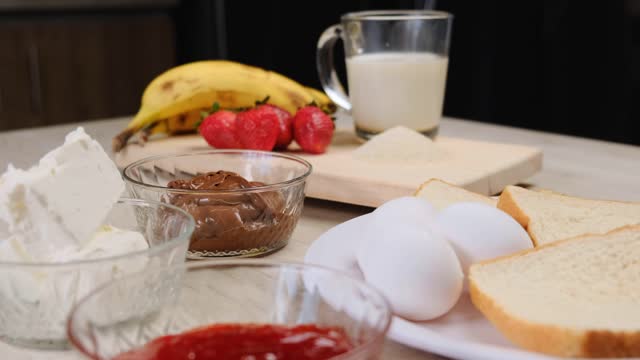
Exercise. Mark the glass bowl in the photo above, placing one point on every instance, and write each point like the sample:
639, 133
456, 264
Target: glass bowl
239, 222
36, 298
128, 313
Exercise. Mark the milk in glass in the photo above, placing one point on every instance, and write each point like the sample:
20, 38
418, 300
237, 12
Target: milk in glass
397, 88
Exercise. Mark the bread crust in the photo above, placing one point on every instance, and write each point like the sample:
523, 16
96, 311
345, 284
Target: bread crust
426, 183
432, 180
508, 204
548, 338
535, 337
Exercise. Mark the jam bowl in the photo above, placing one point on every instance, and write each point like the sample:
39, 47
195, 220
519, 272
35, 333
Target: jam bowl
36, 297
251, 308
245, 203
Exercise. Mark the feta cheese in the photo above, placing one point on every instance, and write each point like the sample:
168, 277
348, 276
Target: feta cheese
58, 204
54, 212
108, 241
48, 295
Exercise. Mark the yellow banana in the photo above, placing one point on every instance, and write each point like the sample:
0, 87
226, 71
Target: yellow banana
322, 100
178, 124
172, 102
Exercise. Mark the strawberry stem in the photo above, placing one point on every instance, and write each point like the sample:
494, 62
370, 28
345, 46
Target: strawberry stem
203, 114
263, 101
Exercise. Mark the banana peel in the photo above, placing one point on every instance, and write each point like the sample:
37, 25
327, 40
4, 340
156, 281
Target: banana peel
172, 102
322, 100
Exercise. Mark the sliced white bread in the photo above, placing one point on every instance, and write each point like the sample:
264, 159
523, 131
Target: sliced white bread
442, 194
548, 216
578, 297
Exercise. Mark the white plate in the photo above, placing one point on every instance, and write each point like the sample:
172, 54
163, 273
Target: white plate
463, 333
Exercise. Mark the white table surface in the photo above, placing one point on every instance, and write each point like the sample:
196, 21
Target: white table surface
575, 166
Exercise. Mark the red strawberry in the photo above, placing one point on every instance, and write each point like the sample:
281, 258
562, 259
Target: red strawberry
312, 129
219, 130
285, 122
258, 128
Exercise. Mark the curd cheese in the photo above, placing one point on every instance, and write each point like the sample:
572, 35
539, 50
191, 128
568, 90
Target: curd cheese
54, 213
58, 204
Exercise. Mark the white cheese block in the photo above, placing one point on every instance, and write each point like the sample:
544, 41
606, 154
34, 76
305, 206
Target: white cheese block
58, 204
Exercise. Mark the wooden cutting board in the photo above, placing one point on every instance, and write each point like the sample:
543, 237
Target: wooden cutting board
482, 167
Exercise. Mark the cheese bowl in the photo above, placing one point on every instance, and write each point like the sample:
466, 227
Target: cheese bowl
36, 297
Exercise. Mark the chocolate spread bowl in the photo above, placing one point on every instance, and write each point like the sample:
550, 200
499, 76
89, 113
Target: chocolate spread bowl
245, 203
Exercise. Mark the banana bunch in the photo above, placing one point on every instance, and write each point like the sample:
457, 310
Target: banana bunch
172, 102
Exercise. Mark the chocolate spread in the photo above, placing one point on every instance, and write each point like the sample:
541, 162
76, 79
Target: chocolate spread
226, 221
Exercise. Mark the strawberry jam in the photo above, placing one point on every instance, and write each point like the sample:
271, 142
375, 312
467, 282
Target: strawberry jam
246, 341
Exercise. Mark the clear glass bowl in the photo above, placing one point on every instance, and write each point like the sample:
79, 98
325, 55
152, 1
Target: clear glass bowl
229, 223
36, 298
128, 313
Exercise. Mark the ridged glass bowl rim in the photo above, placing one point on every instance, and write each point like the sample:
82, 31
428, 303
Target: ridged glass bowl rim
393, 15
184, 236
268, 187
299, 266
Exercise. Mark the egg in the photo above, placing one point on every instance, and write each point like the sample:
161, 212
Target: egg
408, 209
414, 267
336, 248
480, 232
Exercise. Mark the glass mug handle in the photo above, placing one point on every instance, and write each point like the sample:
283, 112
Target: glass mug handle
326, 70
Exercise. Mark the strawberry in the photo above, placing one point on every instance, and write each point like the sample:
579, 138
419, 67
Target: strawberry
285, 122
258, 128
219, 130
312, 129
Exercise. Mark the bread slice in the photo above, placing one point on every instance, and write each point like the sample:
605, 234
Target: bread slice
549, 216
442, 194
579, 297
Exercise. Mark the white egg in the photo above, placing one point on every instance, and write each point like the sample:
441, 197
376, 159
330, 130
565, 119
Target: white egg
336, 248
408, 209
414, 267
480, 232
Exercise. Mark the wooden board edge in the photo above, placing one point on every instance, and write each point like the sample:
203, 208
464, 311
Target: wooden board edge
352, 191
517, 173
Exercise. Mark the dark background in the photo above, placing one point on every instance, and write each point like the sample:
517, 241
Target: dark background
562, 66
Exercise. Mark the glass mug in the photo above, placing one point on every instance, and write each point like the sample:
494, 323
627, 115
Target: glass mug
396, 68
